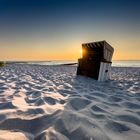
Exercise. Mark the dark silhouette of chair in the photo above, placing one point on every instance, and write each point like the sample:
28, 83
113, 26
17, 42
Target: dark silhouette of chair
96, 60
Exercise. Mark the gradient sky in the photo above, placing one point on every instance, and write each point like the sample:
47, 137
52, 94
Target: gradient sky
55, 29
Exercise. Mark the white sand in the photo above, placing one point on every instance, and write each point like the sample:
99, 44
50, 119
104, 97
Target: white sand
52, 103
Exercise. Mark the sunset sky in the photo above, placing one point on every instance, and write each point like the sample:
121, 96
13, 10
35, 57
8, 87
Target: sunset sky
55, 29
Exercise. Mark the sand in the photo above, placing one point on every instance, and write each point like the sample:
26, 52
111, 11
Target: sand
52, 103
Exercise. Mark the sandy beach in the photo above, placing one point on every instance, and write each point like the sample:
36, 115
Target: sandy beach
52, 103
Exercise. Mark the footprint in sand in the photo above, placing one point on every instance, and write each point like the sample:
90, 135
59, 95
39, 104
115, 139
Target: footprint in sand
129, 118
114, 99
7, 105
95, 108
116, 127
50, 100
79, 103
131, 105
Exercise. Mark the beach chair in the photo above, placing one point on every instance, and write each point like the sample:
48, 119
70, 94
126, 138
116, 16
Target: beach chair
96, 60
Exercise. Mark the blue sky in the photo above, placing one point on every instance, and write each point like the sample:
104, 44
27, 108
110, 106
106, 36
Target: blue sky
60, 26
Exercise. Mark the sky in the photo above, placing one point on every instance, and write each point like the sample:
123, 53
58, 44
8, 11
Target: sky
55, 29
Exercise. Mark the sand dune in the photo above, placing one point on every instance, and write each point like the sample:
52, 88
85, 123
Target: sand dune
52, 103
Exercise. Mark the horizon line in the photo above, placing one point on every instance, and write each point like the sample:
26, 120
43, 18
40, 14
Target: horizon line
60, 60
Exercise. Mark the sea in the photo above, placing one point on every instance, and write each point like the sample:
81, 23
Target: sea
116, 63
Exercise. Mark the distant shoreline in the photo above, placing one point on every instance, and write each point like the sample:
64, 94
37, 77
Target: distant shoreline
115, 63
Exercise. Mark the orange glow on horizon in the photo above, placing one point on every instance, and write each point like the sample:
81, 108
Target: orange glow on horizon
41, 50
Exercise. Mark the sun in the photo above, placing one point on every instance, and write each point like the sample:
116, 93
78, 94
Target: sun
80, 51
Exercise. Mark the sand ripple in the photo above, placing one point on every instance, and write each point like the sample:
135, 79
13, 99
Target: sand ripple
52, 103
